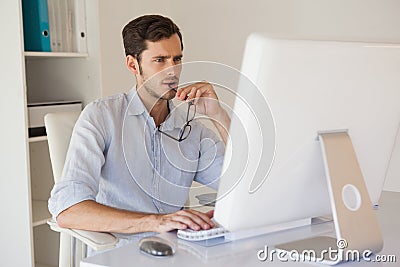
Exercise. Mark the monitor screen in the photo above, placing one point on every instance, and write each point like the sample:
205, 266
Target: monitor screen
289, 91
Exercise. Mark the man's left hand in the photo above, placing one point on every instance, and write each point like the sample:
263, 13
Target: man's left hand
206, 100
203, 96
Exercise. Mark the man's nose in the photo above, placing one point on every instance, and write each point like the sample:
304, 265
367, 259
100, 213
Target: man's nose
172, 69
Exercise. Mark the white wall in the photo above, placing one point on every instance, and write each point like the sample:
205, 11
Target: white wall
216, 31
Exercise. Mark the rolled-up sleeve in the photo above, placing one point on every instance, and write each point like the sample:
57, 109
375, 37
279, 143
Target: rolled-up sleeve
211, 159
84, 161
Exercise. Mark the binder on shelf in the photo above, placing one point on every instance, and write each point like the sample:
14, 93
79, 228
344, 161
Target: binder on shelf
67, 21
80, 26
54, 24
36, 25
65, 13
60, 25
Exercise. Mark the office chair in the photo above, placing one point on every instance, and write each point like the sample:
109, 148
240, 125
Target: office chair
73, 242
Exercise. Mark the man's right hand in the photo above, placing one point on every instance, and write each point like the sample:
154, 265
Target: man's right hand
92, 216
184, 219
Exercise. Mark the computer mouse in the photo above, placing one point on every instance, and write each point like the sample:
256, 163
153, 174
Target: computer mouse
156, 246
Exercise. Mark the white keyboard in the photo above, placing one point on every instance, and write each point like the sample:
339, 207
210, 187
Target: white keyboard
192, 235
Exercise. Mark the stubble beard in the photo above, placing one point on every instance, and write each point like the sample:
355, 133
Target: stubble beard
168, 95
151, 89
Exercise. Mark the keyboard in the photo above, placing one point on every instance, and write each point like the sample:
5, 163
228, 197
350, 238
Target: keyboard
192, 235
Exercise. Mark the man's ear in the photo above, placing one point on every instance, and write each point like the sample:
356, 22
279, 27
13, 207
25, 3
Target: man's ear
132, 64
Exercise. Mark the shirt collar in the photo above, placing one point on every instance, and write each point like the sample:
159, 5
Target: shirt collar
135, 106
175, 119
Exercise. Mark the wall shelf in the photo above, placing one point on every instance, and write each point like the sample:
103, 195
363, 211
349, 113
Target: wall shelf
43, 265
40, 77
37, 139
55, 55
40, 212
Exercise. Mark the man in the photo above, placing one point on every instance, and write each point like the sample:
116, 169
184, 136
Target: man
131, 160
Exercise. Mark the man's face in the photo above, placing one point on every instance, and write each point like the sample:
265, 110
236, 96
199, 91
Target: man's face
162, 58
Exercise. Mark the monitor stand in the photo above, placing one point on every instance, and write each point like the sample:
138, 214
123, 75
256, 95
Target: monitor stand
356, 226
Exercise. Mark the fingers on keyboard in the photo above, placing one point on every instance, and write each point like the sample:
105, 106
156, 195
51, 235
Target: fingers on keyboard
194, 219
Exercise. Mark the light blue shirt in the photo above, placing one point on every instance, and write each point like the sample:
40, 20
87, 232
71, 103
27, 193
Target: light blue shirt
118, 158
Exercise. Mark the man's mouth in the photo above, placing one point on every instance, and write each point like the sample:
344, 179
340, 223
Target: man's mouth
173, 85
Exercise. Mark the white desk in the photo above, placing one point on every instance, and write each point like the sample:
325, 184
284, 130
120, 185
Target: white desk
244, 252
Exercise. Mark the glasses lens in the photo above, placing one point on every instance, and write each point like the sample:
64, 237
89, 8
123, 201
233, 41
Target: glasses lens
185, 131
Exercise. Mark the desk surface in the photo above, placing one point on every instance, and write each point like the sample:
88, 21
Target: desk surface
244, 252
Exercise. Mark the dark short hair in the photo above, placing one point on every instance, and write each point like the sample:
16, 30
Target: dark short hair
151, 28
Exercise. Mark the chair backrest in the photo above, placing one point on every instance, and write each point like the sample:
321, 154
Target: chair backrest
59, 128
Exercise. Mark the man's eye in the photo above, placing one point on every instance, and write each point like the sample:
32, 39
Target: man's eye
159, 60
178, 59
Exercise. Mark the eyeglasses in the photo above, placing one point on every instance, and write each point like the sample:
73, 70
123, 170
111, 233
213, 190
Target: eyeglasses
185, 130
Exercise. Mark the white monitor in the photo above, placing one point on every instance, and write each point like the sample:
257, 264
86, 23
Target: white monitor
310, 86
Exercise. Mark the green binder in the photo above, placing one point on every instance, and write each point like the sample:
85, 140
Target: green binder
36, 25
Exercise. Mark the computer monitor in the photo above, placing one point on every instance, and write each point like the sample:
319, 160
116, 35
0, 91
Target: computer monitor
273, 169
